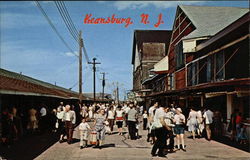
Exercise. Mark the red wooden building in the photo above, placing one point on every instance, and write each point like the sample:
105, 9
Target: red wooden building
149, 47
208, 60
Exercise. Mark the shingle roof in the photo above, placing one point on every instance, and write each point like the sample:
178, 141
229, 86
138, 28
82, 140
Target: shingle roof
11, 81
210, 20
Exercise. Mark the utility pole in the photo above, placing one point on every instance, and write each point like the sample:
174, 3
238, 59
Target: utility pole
103, 84
94, 70
80, 65
117, 92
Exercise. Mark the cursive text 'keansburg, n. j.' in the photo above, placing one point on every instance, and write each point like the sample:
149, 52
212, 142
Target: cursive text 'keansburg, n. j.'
126, 21
109, 20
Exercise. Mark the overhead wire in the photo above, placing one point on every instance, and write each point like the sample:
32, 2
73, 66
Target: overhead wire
70, 25
66, 20
69, 17
53, 27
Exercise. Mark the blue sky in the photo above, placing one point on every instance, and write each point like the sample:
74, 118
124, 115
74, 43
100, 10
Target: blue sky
30, 46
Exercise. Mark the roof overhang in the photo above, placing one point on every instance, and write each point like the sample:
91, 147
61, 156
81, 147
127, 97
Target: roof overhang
216, 94
162, 66
12, 92
244, 19
241, 87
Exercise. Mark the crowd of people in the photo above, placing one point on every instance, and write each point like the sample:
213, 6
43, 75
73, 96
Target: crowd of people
166, 125
237, 127
16, 123
104, 117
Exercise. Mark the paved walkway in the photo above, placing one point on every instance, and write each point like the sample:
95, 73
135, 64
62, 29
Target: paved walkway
119, 148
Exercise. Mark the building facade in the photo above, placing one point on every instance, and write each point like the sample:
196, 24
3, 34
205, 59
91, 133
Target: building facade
208, 62
149, 47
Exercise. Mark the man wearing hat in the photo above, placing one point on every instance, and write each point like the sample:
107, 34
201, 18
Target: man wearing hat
69, 118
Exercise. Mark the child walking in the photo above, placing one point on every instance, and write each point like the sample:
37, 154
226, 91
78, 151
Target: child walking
83, 128
145, 120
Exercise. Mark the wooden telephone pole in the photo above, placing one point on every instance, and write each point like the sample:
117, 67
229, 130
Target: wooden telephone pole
117, 91
80, 65
94, 70
103, 84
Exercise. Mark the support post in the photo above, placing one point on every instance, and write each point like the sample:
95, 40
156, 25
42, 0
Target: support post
94, 70
80, 65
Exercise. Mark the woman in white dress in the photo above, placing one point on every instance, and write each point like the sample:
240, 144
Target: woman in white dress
84, 111
192, 125
90, 112
200, 123
111, 118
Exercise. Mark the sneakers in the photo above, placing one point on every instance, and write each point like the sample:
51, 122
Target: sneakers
161, 155
96, 146
184, 149
153, 154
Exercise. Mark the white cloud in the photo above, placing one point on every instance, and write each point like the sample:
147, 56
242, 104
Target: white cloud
44, 64
70, 54
46, 2
121, 5
101, 1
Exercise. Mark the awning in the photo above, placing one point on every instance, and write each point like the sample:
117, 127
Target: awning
214, 94
162, 66
238, 93
10, 92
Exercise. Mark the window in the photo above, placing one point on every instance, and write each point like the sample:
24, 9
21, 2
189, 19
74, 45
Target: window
202, 71
192, 74
210, 69
179, 57
170, 82
189, 75
219, 66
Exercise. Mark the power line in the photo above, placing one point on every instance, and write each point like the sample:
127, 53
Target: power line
70, 25
69, 17
53, 27
85, 53
73, 86
66, 20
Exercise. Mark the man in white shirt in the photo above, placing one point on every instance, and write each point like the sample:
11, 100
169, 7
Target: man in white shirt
126, 108
132, 119
160, 131
43, 112
151, 113
169, 116
43, 119
208, 115
69, 118
59, 115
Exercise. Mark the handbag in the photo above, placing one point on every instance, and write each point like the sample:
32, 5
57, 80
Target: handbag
156, 124
93, 138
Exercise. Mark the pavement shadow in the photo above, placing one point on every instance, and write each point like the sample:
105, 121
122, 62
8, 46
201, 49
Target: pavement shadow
108, 145
28, 147
74, 140
227, 141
